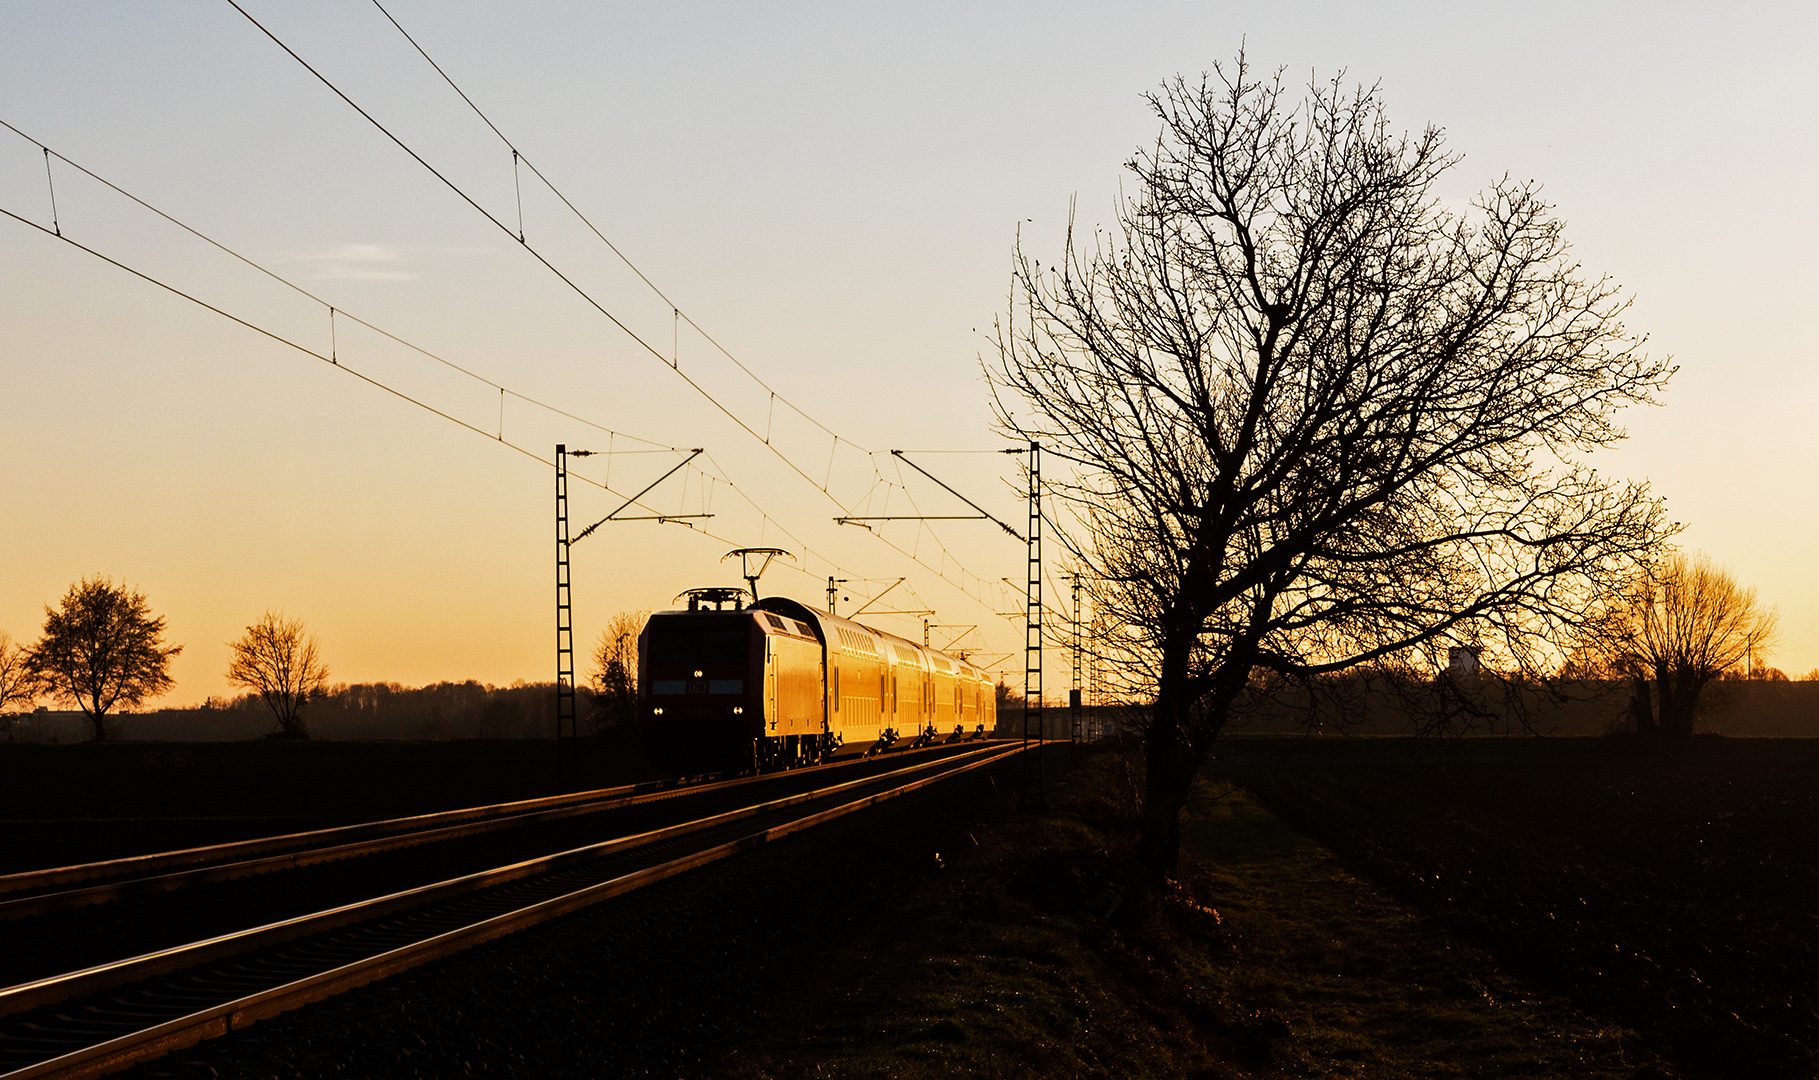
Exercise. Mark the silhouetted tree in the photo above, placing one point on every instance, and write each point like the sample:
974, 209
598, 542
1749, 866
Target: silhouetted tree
1315, 416
102, 648
18, 683
1008, 705
1681, 624
1758, 672
281, 662
615, 674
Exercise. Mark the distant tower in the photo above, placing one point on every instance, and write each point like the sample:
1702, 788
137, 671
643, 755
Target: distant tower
1462, 661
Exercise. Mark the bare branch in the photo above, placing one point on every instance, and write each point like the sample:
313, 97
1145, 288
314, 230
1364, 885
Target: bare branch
1318, 419
281, 662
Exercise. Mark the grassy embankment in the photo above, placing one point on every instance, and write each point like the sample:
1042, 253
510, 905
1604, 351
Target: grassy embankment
1268, 960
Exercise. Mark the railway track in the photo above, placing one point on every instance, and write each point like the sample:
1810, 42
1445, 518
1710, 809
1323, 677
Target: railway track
107, 1016
40, 892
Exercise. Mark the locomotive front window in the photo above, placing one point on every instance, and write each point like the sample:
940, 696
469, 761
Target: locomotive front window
689, 644
724, 645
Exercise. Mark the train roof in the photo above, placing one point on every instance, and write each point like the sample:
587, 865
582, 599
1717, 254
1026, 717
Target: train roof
826, 625
785, 623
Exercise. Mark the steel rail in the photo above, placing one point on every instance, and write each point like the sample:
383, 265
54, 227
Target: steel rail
57, 988
394, 834
60, 875
123, 1051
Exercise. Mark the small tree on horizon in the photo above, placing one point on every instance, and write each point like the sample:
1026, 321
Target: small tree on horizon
615, 675
1685, 623
1006, 699
102, 648
277, 659
18, 684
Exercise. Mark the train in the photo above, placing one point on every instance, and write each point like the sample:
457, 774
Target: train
728, 686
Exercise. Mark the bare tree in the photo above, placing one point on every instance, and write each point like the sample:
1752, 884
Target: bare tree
1683, 623
1317, 418
18, 683
282, 663
615, 675
102, 648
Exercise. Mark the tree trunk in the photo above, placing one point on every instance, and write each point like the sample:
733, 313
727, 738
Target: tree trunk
1189, 715
1684, 692
1669, 716
1642, 708
1160, 847
1176, 747
1165, 747
99, 719
289, 713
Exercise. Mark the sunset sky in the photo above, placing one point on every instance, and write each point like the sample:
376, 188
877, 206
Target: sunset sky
828, 191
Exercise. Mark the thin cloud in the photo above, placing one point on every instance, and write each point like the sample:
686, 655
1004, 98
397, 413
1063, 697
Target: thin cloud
358, 262
352, 273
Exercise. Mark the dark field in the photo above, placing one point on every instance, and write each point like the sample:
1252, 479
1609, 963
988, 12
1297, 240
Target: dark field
951, 934
1677, 895
70, 804
1580, 906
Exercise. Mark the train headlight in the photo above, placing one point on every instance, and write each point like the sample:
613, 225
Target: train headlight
658, 711
697, 675
738, 710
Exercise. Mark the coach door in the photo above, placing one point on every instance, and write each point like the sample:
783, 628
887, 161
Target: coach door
770, 683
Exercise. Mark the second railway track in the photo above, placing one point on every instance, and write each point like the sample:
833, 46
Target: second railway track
127, 914
38, 892
105, 1016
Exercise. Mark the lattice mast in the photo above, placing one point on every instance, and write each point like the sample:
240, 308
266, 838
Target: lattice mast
1076, 731
1032, 635
565, 629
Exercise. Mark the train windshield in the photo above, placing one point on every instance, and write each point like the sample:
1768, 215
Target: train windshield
693, 642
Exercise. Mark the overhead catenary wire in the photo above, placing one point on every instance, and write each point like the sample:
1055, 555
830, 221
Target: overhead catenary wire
771, 521
518, 155
564, 278
333, 360
334, 312
363, 377
678, 315
273, 335
51, 182
370, 380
